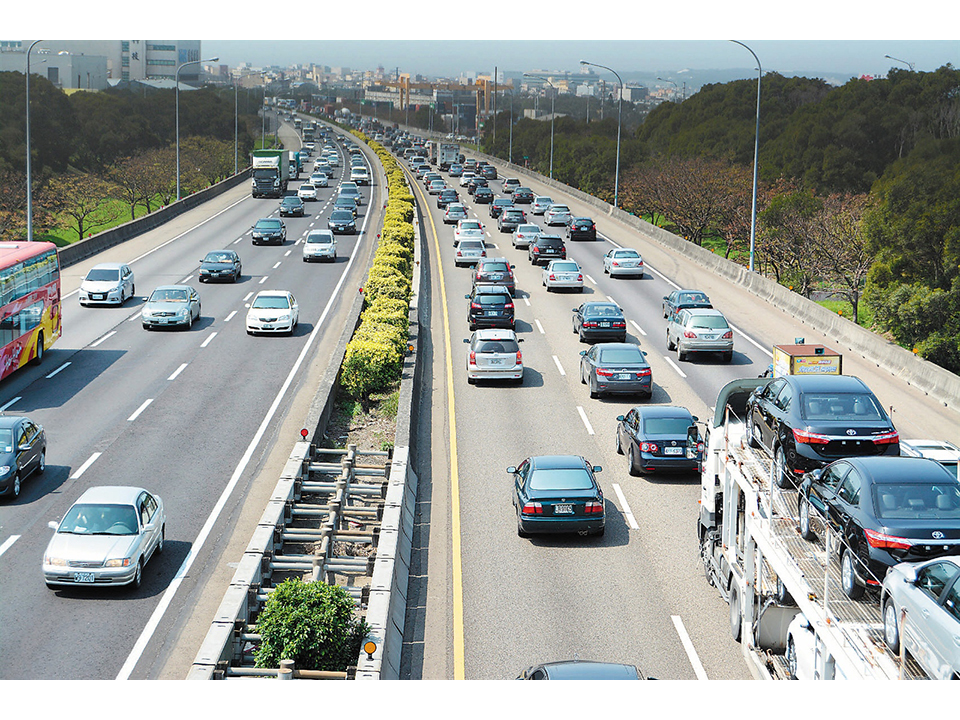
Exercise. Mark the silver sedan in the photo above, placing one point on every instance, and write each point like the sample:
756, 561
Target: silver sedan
562, 274
171, 305
557, 215
106, 538
921, 611
623, 261
524, 235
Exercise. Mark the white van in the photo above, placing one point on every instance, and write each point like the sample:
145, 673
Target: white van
360, 175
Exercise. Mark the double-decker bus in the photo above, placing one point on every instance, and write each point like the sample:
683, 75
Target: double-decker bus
29, 303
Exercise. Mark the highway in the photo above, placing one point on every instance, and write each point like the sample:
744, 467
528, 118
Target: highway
190, 415
501, 603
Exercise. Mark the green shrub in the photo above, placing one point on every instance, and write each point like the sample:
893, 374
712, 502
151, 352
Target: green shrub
390, 286
369, 366
313, 624
401, 264
373, 316
402, 234
392, 247
376, 329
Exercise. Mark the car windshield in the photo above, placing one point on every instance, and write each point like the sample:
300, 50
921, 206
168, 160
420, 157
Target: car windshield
321, 238
917, 500
103, 274
218, 257
840, 406
100, 520
710, 322
341, 216
666, 426
621, 355
602, 311
168, 295
291, 200
560, 479
271, 302
565, 266
497, 346
268, 224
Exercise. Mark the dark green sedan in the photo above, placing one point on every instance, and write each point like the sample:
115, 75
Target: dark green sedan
557, 494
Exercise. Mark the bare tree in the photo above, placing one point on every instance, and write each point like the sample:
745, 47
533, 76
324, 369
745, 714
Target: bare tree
787, 234
842, 246
84, 199
131, 178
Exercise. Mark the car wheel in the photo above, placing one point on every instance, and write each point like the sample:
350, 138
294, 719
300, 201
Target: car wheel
632, 462
619, 446
780, 468
805, 530
145, 326
728, 356
848, 578
189, 321
791, 658
594, 392
138, 578
42, 463
750, 431
891, 629
600, 532
670, 345
163, 532
681, 355
520, 531
15, 490
38, 358
736, 620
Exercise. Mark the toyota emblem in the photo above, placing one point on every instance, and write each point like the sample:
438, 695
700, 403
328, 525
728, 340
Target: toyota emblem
937, 535
851, 432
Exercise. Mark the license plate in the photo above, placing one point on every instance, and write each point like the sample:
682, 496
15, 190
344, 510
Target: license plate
673, 451
492, 313
496, 361
624, 376
496, 276
707, 337
563, 509
98, 296
83, 577
604, 324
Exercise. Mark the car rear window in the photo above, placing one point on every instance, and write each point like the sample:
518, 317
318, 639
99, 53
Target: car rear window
550, 241
494, 267
497, 346
565, 267
621, 355
917, 500
490, 299
560, 479
627, 254
839, 406
712, 322
602, 311
666, 426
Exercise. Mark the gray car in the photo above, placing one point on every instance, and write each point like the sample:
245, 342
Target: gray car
23, 451
106, 538
171, 306
469, 252
699, 330
921, 611
620, 368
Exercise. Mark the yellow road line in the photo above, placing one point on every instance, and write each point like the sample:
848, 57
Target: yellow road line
458, 663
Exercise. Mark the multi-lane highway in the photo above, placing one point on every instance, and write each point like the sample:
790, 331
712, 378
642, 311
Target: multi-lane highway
499, 603
191, 415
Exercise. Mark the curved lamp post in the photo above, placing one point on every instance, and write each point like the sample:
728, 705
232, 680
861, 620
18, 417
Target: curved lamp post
29, 182
616, 182
756, 149
553, 114
908, 64
677, 87
177, 78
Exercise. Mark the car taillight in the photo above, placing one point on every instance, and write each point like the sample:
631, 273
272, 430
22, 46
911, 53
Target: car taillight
552, 276
886, 438
532, 508
473, 357
475, 306
689, 334
593, 507
645, 372
459, 254
589, 323
810, 438
728, 335
580, 278
519, 358
508, 306
649, 447
619, 324
604, 373
882, 540
614, 263
536, 249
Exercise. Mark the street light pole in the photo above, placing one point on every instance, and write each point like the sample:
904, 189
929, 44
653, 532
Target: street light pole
908, 64
756, 151
236, 134
510, 156
553, 113
677, 87
177, 79
29, 181
616, 182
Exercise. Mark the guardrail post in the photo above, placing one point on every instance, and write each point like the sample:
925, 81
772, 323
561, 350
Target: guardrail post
286, 670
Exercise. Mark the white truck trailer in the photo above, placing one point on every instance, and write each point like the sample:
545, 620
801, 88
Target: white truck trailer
784, 593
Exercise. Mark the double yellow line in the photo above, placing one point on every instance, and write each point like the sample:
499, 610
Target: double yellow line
458, 664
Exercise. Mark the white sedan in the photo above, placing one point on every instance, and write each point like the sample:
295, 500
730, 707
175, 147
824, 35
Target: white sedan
273, 311
466, 178
454, 213
467, 229
562, 274
307, 192
623, 261
557, 215
319, 179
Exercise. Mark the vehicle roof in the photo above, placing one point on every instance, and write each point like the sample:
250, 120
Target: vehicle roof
662, 411
495, 334
884, 469
827, 383
108, 266
173, 287
591, 304
554, 462
117, 494
936, 449
9, 421
272, 221
590, 670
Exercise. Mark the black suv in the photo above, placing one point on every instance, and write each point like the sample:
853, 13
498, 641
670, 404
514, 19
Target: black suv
546, 248
490, 306
522, 196
498, 206
807, 421
446, 197
582, 228
269, 230
510, 218
476, 182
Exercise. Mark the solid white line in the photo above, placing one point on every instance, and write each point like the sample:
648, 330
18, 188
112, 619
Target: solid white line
675, 366
688, 646
627, 512
228, 317
18, 397
559, 366
109, 334
594, 282
539, 326
751, 340
639, 329
83, 468
177, 372
62, 367
663, 277
139, 410
8, 542
198, 543
207, 341
615, 244
583, 416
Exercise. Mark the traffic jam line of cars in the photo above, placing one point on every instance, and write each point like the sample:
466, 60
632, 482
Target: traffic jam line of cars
111, 532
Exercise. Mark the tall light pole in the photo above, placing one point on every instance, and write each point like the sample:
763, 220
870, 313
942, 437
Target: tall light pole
908, 64
677, 87
756, 152
510, 156
553, 113
236, 118
616, 181
29, 181
177, 78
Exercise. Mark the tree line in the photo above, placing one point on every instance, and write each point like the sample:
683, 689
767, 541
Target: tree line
857, 187
97, 156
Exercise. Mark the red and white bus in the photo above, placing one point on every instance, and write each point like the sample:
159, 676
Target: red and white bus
29, 303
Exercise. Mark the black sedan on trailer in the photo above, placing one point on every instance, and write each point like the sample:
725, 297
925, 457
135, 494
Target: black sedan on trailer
886, 510
658, 439
557, 494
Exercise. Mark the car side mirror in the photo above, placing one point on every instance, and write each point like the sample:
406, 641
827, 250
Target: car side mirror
53, 525
466, 297
815, 474
583, 352
619, 418
597, 468
910, 575
643, 352
466, 340
512, 470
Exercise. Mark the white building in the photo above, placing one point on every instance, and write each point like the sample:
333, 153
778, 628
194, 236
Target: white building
131, 59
